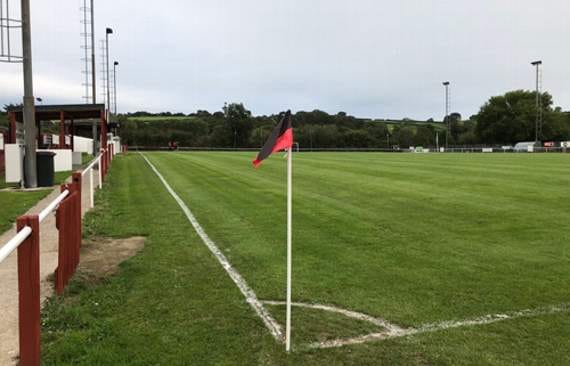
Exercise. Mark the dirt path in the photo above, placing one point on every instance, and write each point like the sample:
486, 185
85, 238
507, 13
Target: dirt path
9, 343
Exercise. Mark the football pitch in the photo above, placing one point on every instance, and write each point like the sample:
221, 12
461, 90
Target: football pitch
397, 259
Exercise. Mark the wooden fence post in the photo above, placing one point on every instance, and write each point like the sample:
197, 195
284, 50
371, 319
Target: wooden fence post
29, 292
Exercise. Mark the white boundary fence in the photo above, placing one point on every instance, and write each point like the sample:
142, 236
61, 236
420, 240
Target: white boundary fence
430, 150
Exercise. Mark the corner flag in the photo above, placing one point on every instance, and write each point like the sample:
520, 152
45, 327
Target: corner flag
281, 138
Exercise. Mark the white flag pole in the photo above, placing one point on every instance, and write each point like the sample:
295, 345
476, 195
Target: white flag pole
289, 249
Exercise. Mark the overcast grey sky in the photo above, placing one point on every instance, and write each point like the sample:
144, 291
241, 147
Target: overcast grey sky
383, 59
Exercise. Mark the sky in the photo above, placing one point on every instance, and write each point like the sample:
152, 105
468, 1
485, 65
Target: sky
369, 58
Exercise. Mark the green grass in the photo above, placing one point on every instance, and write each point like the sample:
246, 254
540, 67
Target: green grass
61, 177
86, 158
14, 204
410, 238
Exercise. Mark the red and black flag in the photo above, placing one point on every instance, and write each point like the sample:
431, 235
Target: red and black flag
281, 138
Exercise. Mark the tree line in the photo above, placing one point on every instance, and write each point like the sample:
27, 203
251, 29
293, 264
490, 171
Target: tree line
235, 127
502, 120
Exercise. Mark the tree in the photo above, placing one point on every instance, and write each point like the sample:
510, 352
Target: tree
325, 136
510, 118
425, 136
358, 139
403, 136
238, 122
379, 131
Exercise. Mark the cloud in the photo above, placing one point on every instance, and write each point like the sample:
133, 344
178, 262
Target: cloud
368, 58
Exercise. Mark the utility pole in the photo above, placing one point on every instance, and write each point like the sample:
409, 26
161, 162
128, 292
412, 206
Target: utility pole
446, 85
538, 120
115, 64
29, 113
107, 32
93, 79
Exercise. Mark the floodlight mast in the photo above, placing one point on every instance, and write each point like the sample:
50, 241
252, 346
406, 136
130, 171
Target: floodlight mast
29, 114
538, 120
93, 78
93, 71
107, 32
115, 64
448, 129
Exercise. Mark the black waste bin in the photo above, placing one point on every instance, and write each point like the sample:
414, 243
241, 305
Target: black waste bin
45, 168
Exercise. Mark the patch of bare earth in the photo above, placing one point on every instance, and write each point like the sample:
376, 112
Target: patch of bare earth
101, 257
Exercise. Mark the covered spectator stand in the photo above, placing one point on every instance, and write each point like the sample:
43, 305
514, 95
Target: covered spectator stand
71, 117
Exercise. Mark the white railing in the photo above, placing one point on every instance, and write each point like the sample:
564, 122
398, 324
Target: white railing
23, 234
53, 205
14, 243
96, 161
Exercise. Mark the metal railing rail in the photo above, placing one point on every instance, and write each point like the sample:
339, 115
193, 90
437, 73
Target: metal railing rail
23, 234
14, 243
354, 149
53, 205
92, 164
89, 168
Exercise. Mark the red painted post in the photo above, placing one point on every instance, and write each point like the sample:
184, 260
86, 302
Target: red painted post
13, 127
62, 224
76, 178
68, 222
77, 181
106, 163
62, 130
71, 139
29, 292
102, 164
68, 248
103, 130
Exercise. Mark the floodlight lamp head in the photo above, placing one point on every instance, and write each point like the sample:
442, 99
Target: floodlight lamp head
109, 31
536, 63
116, 63
446, 83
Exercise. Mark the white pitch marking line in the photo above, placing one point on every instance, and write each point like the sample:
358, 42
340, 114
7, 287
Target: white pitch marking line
486, 319
390, 328
250, 296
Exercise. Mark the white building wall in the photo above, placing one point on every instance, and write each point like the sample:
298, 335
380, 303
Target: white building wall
83, 144
14, 158
62, 161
